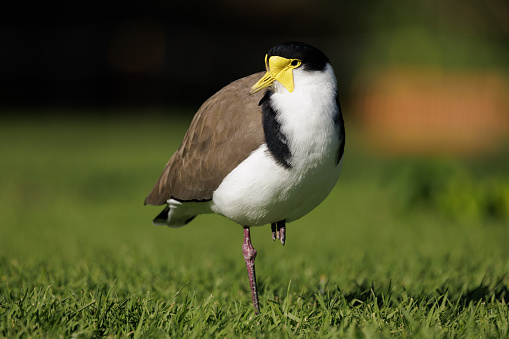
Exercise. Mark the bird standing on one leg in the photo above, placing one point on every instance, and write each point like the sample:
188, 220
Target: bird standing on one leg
259, 158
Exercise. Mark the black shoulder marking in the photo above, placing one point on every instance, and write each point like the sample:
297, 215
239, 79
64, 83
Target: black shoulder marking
266, 96
275, 139
340, 123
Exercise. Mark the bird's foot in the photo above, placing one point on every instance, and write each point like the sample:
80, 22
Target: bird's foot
279, 231
249, 258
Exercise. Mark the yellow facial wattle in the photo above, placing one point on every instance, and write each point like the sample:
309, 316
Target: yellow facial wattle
280, 69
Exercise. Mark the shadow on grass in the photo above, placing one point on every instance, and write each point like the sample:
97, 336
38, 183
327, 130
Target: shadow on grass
368, 293
485, 292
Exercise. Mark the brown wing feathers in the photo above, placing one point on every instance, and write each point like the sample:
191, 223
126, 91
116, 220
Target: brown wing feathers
224, 131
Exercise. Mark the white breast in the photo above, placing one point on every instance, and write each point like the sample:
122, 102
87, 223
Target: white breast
259, 191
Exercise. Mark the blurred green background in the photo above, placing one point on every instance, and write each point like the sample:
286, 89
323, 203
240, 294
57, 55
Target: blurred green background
94, 99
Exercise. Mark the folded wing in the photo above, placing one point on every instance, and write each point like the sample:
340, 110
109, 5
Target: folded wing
224, 132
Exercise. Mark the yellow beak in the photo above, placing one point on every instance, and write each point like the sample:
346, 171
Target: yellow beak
280, 69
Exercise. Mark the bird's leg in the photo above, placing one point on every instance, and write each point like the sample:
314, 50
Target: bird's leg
281, 227
249, 258
279, 231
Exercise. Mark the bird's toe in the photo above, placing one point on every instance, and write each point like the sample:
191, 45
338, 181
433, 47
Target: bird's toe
279, 231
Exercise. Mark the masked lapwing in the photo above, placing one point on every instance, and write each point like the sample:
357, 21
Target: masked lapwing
259, 157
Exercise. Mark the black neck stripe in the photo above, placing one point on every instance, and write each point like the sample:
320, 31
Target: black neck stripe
276, 141
340, 123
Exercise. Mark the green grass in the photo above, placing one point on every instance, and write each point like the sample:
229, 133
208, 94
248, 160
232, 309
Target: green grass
80, 258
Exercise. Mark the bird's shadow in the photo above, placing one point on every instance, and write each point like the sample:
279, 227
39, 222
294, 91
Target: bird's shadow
370, 292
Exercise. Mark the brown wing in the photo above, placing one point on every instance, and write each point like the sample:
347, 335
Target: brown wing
224, 131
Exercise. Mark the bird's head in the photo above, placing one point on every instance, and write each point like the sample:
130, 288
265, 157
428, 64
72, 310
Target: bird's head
286, 58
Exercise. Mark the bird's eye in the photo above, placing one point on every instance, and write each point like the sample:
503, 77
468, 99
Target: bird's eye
295, 63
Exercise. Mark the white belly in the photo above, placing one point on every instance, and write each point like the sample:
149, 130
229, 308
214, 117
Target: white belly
260, 192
